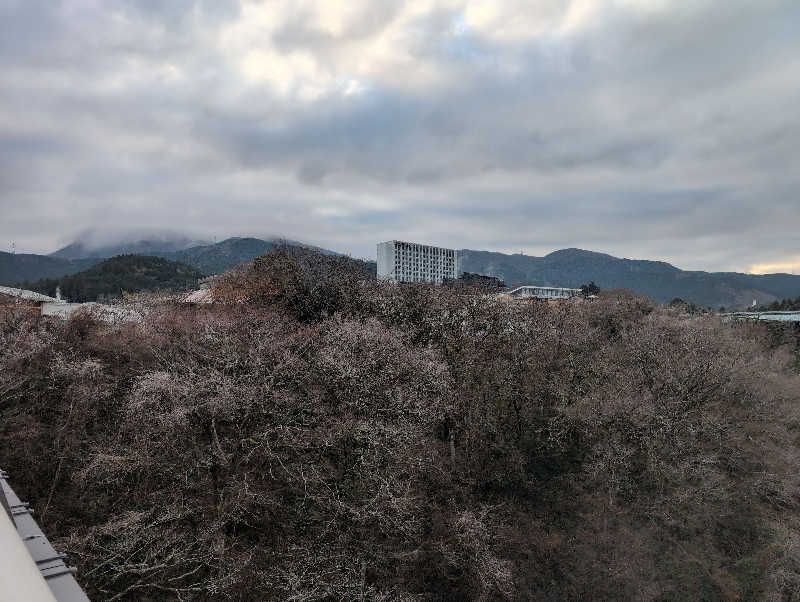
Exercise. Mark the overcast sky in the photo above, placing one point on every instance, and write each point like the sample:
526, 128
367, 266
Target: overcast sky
655, 129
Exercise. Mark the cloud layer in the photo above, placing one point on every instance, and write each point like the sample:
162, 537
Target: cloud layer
652, 129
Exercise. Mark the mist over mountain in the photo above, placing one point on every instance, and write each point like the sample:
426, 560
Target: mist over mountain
661, 281
89, 247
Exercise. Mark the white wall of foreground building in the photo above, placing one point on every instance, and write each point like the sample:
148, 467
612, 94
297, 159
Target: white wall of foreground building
19, 577
24, 570
400, 261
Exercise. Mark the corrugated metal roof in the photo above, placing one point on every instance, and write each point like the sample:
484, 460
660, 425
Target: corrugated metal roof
21, 293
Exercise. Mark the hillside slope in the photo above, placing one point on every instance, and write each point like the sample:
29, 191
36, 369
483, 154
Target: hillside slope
661, 281
155, 245
22, 267
222, 256
125, 273
227, 254
208, 258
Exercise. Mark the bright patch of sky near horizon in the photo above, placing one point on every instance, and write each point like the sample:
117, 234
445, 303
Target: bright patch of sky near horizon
649, 129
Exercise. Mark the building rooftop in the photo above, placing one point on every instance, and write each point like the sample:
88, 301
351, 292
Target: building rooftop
21, 293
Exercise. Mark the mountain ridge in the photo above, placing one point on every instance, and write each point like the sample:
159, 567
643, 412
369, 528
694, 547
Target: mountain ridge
80, 249
210, 258
16, 268
660, 280
563, 267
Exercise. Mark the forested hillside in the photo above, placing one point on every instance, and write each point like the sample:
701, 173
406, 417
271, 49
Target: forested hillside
660, 280
222, 256
782, 305
226, 255
207, 258
118, 275
19, 267
319, 435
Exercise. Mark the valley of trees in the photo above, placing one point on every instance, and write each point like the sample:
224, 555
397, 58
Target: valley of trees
123, 274
318, 435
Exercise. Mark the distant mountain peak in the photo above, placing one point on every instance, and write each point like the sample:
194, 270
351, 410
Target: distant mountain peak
575, 252
93, 244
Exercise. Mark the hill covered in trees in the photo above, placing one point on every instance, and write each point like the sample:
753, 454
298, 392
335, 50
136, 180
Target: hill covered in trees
80, 255
222, 256
783, 305
657, 279
21, 267
319, 435
118, 275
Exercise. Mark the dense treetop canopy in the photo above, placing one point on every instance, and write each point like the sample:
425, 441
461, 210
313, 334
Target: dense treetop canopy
316, 434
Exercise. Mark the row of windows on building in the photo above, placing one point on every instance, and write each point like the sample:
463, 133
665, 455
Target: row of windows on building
406, 246
438, 257
424, 263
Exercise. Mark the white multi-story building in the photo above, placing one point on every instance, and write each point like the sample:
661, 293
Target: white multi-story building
400, 261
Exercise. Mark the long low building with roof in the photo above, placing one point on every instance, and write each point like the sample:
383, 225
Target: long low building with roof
16, 299
10, 295
544, 292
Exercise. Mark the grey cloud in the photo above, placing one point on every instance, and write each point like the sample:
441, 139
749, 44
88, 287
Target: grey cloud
669, 135
297, 34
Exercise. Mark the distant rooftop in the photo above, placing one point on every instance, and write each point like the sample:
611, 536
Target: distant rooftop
21, 293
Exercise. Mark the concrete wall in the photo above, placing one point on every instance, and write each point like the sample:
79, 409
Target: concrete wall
400, 261
386, 261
